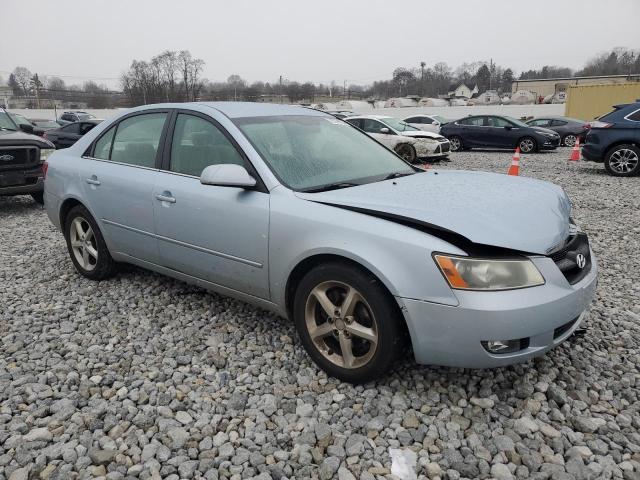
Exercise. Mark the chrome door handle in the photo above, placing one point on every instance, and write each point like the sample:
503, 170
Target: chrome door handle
166, 198
92, 180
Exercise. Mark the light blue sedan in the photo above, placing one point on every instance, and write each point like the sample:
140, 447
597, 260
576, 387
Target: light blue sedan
300, 213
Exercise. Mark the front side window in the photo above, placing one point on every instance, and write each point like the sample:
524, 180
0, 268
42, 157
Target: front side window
373, 126
414, 120
398, 125
137, 139
541, 122
499, 122
197, 144
558, 123
308, 152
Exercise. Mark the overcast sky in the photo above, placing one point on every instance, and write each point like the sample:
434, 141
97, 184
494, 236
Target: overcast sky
355, 40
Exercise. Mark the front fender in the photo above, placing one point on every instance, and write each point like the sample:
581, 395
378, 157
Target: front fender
399, 256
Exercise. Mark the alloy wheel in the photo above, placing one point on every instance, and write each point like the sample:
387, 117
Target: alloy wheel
83, 243
570, 140
341, 324
623, 161
455, 143
527, 145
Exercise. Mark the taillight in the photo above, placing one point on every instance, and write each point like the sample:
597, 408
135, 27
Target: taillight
45, 167
586, 126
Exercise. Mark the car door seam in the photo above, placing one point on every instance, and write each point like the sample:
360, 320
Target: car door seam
185, 244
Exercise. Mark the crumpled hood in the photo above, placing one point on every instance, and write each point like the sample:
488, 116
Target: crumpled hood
422, 134
486, 208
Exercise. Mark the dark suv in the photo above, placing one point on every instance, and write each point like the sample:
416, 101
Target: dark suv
615, 140
74, 116
22, 155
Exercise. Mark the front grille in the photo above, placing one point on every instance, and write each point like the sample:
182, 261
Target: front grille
566, 258
23, 157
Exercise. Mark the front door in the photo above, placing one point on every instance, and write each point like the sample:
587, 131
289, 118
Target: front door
375, 129
118, 179
218, 234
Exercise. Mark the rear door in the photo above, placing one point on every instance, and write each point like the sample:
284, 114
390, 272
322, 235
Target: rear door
474, 132
118, 179
218, 234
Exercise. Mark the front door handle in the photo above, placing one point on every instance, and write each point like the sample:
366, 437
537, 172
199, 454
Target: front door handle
165, 197
92, 180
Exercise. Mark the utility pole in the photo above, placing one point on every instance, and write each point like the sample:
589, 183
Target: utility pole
280, 90
344, 90
422, 65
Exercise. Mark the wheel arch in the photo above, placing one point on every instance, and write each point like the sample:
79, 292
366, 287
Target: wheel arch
306, 264
617, 143
65, 208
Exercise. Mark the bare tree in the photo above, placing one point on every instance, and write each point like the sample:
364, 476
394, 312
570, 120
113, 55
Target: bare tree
22, 76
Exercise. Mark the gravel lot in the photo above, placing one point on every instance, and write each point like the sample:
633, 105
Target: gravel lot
146, 377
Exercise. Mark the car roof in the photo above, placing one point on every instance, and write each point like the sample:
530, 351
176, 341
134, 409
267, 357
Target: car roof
377, 117
253, 109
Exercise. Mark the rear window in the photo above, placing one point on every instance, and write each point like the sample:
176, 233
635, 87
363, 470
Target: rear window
635, 116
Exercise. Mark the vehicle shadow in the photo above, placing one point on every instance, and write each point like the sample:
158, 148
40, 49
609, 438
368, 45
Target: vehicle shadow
18, 204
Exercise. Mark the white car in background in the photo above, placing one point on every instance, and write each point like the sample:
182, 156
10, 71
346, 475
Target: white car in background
408, 142
428, 123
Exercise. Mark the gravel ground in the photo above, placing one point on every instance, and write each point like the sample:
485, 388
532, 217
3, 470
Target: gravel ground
146, 377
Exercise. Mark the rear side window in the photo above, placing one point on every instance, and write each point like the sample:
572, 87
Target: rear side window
558, 123
635, 116
102, 148
85, 127
541, 122
476, 121
137, 139
413, 120
197, 144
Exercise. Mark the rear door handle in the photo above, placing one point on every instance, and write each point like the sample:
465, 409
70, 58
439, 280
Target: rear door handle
92, 180
166, 197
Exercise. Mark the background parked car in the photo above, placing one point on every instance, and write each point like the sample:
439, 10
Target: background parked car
342, 114
615, 140
21, 160
493, 131
569, 129
428, 123
407, 141
41, 125
66, 136
74, 116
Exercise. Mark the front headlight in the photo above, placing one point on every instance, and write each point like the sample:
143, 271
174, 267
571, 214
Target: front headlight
45, 152
465, 273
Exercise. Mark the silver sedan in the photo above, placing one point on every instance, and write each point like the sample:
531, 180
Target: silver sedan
300, 213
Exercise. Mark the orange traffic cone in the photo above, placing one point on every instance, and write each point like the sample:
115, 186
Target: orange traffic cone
514, 169
575, 153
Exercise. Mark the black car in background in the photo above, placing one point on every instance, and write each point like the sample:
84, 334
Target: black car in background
498, 131
615, 140
66, 136
22, 156
40, 125
569, 129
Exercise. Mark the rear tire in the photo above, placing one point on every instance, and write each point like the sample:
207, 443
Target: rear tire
528, 145
355, 341
86, 245
407, 152
623, 161
569, 140
456, 143
38, 197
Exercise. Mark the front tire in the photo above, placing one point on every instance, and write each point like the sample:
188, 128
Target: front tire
623, 161
347, 322
407, 152
528, 145
86, 245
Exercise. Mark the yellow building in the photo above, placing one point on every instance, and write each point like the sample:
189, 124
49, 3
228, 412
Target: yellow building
548, 86
587, 102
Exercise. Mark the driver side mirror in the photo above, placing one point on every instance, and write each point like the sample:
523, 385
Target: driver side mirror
384, 130
227, 175
26, 128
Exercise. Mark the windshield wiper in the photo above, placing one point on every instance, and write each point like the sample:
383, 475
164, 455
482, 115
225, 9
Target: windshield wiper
398, 175
330, 186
